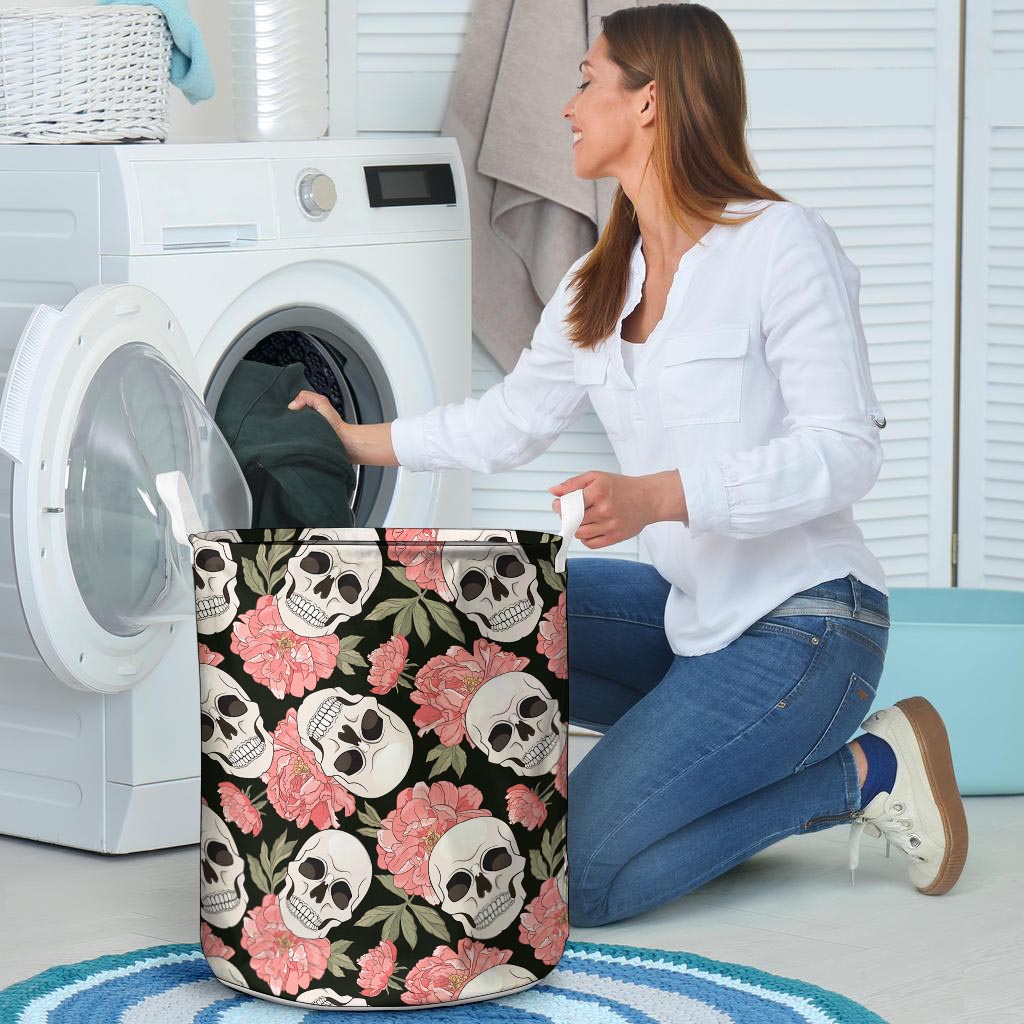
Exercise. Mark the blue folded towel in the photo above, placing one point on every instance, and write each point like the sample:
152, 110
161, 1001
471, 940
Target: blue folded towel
190, 66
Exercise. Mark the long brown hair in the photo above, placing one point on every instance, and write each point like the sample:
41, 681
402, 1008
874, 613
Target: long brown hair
699, 152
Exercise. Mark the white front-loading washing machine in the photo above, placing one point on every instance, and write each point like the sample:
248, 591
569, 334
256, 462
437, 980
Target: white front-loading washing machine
133, 280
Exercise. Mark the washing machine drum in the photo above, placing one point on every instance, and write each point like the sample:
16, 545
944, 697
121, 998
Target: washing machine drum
384, 761
294, 464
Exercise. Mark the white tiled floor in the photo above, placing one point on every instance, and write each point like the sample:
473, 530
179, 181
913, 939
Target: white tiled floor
790, 910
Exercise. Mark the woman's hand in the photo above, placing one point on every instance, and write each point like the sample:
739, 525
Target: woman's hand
617, 507
322, 404
367, 444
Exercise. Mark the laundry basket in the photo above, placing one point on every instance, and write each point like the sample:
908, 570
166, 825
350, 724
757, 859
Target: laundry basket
83, 74
384, 761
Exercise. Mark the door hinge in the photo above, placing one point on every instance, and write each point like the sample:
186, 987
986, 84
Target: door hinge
955, 539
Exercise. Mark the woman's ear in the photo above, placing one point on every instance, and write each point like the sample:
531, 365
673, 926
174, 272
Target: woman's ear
648, 102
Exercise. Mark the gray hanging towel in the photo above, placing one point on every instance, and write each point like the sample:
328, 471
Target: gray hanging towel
292, 460
531, 216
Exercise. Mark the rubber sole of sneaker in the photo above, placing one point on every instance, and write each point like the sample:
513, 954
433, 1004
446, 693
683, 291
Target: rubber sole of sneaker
938, 763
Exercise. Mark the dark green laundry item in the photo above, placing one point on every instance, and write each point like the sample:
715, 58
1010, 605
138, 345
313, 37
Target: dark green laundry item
295, 466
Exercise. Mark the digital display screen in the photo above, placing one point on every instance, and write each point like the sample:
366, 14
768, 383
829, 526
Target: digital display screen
402, 183
410, 185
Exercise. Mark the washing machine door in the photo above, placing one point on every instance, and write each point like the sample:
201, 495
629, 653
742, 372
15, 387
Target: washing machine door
102, 397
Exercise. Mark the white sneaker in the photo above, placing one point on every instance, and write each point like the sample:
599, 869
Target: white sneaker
923, 815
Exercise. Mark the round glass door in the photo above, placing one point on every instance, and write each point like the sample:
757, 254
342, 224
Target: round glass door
102, 400
139, 418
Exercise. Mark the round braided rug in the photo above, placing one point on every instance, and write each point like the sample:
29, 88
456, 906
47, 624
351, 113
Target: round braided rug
594, 983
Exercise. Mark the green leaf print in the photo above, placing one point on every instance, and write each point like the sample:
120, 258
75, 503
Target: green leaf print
257, 874
445, 618
537, 866
422, 623
254, 580
389, 883
369, 816
409, 930
551, 578
375, 915
340, 961
442, 755
558, 833
389, 607
431, 921
399, 573
348, 657
391, 925
403, 620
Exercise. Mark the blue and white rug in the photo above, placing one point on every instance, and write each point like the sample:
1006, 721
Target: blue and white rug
594, 983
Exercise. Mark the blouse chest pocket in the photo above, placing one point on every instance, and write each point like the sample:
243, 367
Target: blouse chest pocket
590, 370
702, 376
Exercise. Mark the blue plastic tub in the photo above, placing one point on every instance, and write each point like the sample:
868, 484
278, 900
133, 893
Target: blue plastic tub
963, 649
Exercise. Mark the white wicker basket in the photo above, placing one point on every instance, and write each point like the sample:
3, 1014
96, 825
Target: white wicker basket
83, 74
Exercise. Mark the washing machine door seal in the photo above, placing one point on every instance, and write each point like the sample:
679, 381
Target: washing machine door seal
101, 398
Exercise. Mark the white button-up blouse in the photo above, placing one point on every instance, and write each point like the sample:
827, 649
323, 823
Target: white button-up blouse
756, 388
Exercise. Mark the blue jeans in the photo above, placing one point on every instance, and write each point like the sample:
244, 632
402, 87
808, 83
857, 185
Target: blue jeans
707, 759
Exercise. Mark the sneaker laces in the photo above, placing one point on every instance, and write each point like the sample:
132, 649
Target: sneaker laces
893, 823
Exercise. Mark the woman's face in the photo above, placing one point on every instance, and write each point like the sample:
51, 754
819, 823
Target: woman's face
607, 134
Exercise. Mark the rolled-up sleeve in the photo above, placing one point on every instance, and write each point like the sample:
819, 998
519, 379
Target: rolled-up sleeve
510, 423
831, 454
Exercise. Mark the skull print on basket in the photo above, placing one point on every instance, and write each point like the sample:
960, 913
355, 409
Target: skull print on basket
327, 583
384, 762
232, 726
327, 880
477, 871
222, 895
495, 584
517, 722
214, 573
366, 746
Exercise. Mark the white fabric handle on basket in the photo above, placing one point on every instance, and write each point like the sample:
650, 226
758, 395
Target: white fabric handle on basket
174, 491
571, 506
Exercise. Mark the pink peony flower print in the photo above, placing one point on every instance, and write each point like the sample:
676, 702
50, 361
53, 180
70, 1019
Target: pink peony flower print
376, 968
238, 810
525, 807
552, 639
561, 772
297, 786
211, 943
208, 657
441, 977
387, 662
420, 552
284, 960
545, 923
422, 814
281, 660
446, 684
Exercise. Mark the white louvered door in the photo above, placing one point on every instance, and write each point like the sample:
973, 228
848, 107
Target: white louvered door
854, 112
399, 76
991, 493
